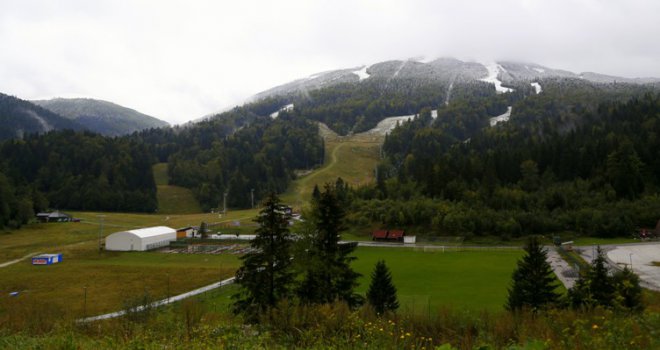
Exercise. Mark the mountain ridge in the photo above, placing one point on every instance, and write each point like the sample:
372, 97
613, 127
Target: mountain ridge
445, 69
104, 117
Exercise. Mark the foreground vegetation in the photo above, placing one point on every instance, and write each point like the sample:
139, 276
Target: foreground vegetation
193, 325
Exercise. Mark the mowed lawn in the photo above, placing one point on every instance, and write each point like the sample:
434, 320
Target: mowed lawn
471, 280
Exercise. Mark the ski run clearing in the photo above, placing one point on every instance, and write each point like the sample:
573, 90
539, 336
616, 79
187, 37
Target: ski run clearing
494, 70
362, 73
501, 118
286, 108
386, 125
537, 87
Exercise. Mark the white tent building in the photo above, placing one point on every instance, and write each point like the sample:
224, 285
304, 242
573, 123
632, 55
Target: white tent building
140, 239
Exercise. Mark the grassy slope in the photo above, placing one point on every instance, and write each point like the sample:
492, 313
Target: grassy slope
173, 199
353, 158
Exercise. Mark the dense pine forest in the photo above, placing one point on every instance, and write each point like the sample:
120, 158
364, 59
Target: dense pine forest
74, 170
260, 157
579, 157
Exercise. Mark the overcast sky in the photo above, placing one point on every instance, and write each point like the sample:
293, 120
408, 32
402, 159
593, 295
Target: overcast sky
180, 60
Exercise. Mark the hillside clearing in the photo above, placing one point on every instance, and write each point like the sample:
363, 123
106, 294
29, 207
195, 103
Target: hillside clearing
173, 199
353, 158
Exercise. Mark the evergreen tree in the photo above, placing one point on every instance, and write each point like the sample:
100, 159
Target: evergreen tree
594, 287
266, 276
382, 292
533, 282
328, 276
629, 292
624, 170
601, 284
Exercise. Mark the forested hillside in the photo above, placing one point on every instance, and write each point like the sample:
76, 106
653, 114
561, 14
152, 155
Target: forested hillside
74, 170
103, 117
19, 118
569, 159
239, 152
261, 157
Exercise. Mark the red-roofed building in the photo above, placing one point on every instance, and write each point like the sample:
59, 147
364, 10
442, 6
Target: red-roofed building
395, 235
380, 235
385, 235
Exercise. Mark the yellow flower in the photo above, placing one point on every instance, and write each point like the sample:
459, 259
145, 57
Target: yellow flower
402, 336
381, 329
595, 326
407, 334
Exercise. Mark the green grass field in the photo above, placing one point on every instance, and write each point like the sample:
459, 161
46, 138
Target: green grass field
111, 277
469, 280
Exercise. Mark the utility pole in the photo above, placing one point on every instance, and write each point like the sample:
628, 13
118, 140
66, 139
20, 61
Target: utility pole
252, 197
224, 201
101, 217
630, 255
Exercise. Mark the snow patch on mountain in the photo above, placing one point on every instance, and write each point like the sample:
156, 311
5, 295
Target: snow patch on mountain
423, 59
403, 64
362, 73
537, 87
494, 70
451, 87
286, 108
501, 118
540, 70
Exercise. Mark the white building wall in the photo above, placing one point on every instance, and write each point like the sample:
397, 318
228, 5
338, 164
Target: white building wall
136, 241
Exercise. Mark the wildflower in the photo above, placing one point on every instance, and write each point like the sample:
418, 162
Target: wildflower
381, 329
407, 334
402, 336
595, 326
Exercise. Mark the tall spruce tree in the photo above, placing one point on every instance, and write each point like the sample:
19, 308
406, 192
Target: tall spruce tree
266, 276
533, 283
628, 289
595, 287
328, 275
382, 292
601, 284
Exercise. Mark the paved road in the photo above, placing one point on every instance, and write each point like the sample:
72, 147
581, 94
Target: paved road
5, 264
161, 302
562, 269
642, 256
